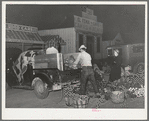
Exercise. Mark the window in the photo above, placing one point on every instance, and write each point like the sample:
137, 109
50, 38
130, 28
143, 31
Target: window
98, 44
109, 52
80, 40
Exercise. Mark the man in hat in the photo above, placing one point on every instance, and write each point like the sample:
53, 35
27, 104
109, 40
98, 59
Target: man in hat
87, 71
116, 66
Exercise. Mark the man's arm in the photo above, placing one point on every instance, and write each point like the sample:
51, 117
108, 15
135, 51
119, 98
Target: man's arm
78, 59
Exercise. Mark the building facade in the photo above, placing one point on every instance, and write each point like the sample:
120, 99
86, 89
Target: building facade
86, 30
22, 37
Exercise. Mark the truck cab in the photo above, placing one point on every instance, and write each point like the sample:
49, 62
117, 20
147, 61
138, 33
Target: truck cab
132, 54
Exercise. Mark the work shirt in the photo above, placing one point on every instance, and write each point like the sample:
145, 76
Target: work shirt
84, 58
51, 50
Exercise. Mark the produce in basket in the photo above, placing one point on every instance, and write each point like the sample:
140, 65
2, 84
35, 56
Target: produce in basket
69, 63
68, 101
117, 97
81, 101
136, 92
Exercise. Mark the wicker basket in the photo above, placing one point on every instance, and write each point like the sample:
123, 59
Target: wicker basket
81, 102
117, 97
68, 101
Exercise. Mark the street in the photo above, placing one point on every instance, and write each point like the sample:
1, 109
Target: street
19, 98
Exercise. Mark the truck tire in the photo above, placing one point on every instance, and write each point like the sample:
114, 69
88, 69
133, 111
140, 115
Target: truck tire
40, 89
138, 68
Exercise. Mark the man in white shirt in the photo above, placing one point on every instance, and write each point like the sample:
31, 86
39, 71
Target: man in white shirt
51, 50
87, 71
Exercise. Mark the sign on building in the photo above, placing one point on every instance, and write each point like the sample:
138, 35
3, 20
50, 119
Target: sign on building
88, 25
16, 27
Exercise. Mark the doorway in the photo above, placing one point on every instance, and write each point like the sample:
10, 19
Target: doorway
90, 45
80, 39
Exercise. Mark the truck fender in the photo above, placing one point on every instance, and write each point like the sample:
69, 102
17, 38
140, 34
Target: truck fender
45, 78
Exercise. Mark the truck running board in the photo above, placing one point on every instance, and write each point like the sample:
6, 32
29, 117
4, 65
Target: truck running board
23, 87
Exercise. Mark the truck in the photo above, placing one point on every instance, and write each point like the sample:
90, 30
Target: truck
132, 55
44, 72
61, 65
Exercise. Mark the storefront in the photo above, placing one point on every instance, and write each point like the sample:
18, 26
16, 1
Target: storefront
22, 37
89, 32
86, 30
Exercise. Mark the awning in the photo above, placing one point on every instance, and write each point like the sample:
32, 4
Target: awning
23, 37
54, 38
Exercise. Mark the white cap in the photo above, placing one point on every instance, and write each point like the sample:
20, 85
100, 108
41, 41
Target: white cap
82, 46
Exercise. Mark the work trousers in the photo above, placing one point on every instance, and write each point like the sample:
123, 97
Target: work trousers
87, 73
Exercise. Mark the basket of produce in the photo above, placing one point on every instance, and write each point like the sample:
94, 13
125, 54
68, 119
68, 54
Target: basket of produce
69, 101
81, 101
117, 96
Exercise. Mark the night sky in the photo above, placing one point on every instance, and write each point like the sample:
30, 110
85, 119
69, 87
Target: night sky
128, 20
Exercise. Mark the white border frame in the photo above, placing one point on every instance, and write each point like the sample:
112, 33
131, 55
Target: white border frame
78, 114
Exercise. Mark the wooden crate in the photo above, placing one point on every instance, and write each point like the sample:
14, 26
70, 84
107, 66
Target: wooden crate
48, 61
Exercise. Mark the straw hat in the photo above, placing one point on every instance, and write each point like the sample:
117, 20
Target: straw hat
82, 46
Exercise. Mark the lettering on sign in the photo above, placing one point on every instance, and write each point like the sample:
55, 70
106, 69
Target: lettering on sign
16, 27
85, 24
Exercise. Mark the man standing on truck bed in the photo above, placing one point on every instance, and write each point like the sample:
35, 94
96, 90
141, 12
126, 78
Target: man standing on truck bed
51, 49
87, 71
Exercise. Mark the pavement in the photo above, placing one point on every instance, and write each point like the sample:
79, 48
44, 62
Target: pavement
19, 98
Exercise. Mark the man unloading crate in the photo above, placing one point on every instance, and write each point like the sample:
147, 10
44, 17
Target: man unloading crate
87, 71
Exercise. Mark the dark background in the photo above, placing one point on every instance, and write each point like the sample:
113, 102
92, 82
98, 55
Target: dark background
128, 20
